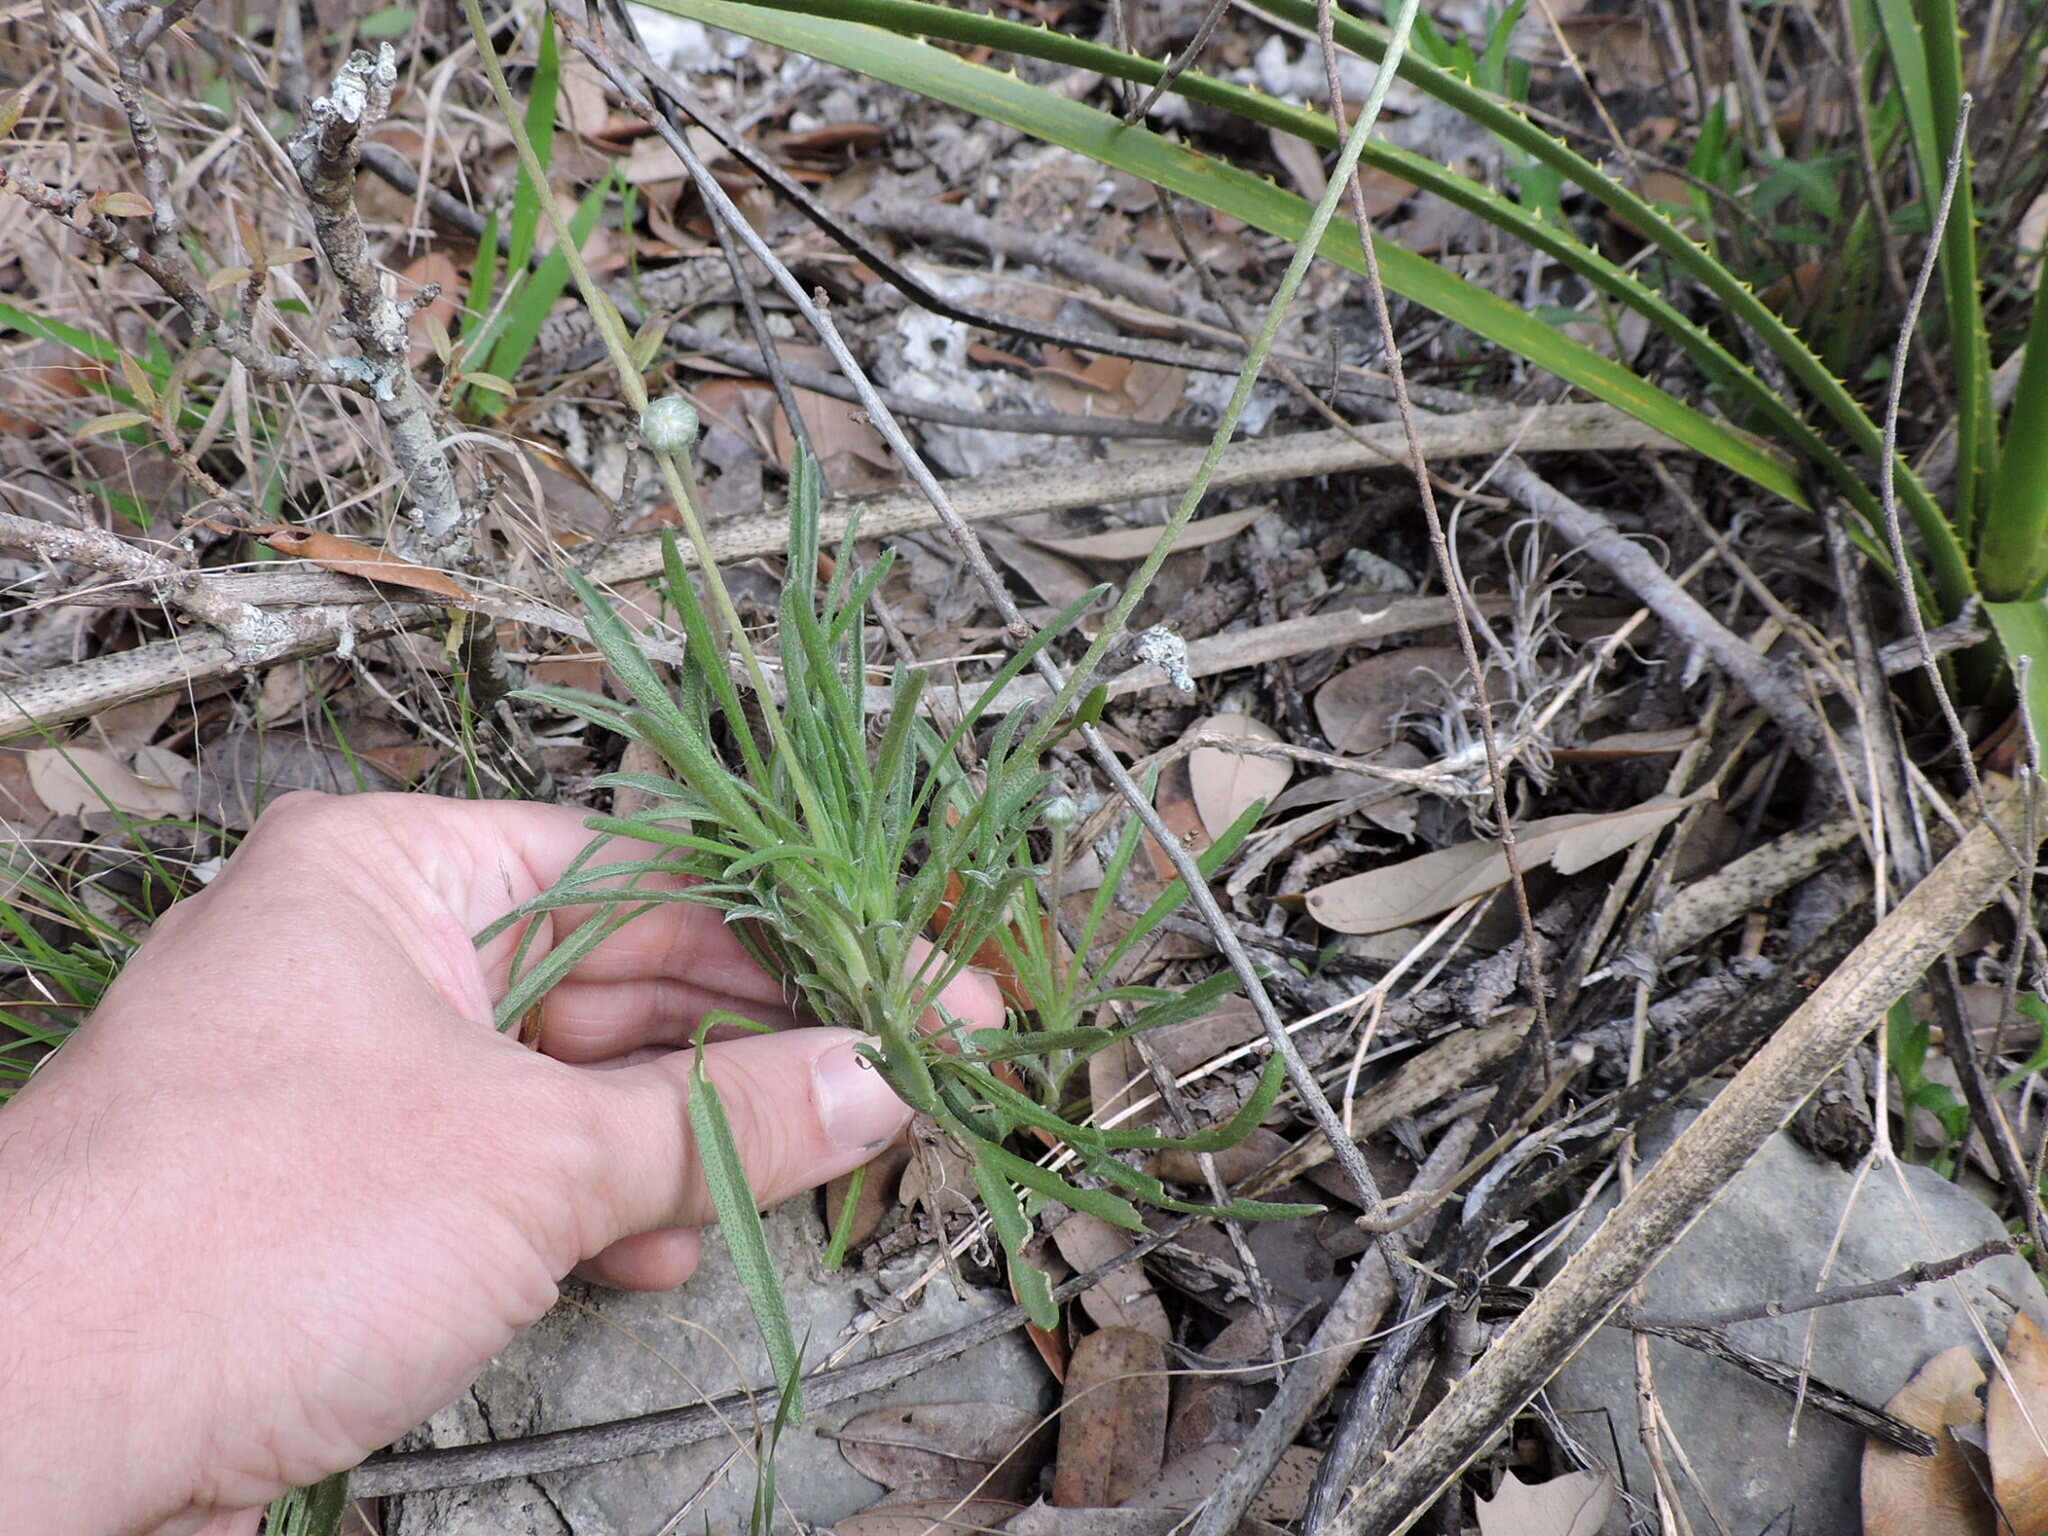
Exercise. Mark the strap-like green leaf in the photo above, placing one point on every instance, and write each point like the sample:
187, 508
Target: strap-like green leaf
739, 1218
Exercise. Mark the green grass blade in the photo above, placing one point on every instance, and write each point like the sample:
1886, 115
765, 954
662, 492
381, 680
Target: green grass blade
563, 958
1007, 1217
701, 642
2012, 557
527, 310
1940, 35
739, 1218
1004, 98
2022, 630
540, 128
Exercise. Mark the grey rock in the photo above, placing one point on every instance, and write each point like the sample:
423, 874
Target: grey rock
603, 1355
1768, 1238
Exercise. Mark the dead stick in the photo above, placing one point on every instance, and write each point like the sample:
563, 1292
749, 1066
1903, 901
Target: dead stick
1680, 1187
65, 694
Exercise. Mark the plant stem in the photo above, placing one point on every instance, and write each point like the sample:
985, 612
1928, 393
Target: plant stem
619, 345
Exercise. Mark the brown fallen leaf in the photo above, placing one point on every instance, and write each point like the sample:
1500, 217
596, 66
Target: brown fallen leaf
2016, 1423
335, 553
1175, 802
990, 1450
1572, 843
436, 266
1137, 543
1628, 744
82, 781
1112, 1419
878, 1194
1938, 1495
1191, 1477
1226, 783
1573, 1505
1357, 709
1053, 577
1415, 889
1125, 1299
1051, 1520
240, 773
1232, 1163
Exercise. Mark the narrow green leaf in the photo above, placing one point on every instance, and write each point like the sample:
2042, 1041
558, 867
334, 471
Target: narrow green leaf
739, 1218
540, 129
2012, 557
1014, 1231
2022, 630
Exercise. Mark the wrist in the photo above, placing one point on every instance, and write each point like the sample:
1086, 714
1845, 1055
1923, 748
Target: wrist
91, 1443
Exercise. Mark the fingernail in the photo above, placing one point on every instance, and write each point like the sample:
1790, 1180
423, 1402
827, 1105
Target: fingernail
857, 1108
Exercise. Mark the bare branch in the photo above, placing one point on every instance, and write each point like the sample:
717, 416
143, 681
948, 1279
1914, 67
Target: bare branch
251, 633
326, 151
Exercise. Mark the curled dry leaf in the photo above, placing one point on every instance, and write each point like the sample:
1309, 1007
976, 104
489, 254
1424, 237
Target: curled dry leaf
1226, 782
2016, 1422
1938, 1495
1137, 543
1420, 888
1125, 1298
988, 1450
83, 781
1573, 1505
352, 559
1112, 1419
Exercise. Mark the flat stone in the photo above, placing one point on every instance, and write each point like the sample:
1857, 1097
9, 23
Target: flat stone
603, 1355
1768, 1238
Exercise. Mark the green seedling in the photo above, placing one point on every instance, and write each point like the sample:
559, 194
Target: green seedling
839, 827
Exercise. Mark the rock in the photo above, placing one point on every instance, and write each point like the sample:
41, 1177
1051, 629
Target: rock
1768, 1238
603, 1355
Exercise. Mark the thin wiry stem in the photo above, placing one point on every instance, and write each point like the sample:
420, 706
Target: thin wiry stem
1454, 583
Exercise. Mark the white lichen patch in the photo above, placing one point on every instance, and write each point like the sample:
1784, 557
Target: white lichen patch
1169, 653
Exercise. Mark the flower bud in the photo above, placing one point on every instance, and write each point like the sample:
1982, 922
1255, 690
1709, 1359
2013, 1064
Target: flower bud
669, 425
1059, 813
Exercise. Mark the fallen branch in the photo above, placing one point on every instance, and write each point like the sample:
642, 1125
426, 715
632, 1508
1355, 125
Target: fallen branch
251, 634
325, 151
73, 693
1682, 1184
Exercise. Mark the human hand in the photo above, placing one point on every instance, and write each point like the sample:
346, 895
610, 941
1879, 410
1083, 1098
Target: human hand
287, 1191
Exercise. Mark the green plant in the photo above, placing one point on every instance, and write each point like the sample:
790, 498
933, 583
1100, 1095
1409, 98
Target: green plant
1989, 540
834, 848
1906, 1044
67, 976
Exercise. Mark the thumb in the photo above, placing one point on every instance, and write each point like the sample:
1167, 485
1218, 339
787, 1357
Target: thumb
804, 1107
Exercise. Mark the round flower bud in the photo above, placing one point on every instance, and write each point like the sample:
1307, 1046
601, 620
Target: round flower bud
669, 425
1060, 813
